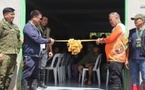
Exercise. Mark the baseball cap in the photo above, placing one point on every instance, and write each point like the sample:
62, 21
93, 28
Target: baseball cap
142, 16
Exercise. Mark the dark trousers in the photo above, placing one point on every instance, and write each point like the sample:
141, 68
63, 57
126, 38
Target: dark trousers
30, 72
30, 69
115, 75
42, 75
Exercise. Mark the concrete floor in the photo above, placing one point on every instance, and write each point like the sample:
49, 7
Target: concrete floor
67, 88
73, 85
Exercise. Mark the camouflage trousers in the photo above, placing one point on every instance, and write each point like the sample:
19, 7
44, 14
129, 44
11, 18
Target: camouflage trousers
6, 70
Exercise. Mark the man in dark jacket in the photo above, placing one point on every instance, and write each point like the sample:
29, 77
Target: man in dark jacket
136, 58
31, 51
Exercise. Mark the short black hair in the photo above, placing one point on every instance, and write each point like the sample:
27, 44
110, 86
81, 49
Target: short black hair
35, 13
7, 10
44, 16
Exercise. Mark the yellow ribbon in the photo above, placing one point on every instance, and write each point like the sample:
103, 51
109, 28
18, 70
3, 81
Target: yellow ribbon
85, 40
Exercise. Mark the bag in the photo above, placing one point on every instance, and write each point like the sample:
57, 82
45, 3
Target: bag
43, 59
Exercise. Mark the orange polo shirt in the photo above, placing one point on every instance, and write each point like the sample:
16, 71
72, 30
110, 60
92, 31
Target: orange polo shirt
116, 44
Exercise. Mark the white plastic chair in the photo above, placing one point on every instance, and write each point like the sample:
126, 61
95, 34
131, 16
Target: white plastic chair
64, 65
68, 67
54, 67
61, 70
96, 69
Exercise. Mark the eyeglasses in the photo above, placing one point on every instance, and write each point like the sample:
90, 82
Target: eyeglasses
38, 18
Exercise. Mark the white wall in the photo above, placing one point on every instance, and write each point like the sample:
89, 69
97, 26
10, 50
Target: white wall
134, 7
14, 4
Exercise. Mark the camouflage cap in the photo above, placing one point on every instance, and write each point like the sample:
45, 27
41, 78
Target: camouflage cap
137, 16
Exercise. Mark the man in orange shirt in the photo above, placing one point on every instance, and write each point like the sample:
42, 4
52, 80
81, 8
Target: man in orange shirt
115, 51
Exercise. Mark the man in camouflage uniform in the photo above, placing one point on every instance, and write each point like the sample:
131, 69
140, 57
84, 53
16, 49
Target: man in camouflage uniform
45, 31
9, 47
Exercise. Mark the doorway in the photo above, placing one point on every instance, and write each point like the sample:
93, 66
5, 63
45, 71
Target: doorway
77, 18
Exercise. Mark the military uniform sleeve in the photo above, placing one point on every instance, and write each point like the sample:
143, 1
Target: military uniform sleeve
1, 29
19, 38
34, 35
18, 32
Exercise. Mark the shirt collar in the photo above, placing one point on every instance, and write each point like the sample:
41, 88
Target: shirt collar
7, 22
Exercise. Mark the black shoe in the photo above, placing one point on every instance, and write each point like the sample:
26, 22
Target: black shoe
25, 85
42, 85
116, 88
33, 84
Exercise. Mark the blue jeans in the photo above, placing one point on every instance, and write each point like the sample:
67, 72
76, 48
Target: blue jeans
137, 66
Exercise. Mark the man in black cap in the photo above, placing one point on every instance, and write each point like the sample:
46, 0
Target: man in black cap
136, 57
9, 47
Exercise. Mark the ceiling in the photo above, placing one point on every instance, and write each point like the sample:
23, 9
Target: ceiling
75, 14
